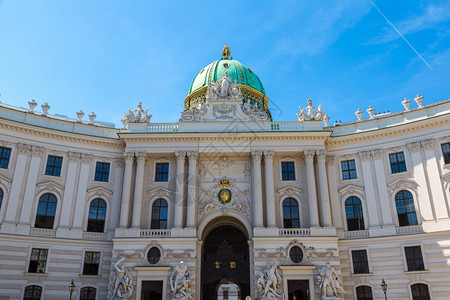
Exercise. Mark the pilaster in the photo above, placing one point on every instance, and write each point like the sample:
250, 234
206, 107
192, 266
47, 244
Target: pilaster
138, 189
270, 198
324, 194
192, 189
256, 189
126, 191
311, 188
179, 190
81, 193
369, 187
385, 204
69, 190
434, 180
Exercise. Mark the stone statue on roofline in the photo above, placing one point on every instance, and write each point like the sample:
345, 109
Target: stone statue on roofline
311, 113
139, 115
223, 88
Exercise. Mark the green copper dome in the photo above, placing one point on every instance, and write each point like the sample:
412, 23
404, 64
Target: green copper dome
235, 69
249, 83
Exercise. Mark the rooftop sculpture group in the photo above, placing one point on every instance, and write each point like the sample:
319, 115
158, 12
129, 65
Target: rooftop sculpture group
311, 113
139, 115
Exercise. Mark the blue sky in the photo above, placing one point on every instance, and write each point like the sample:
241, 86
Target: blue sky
106, 56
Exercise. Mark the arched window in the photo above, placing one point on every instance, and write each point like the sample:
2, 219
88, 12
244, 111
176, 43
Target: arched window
97, 215
159, 214
32, 292
364, 292
405, 209
354, 213
1, 198
46, 211
420, 291
291, 217
88, 293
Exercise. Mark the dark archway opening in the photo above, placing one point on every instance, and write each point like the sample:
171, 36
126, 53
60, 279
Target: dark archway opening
225, 258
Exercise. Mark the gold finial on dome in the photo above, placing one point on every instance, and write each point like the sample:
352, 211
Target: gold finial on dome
226, 53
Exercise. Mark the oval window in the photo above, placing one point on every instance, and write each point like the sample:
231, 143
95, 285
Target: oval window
153, 255
296, 254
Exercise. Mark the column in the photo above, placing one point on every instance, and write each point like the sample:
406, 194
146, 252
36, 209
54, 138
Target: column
385, 203
118, 180
434, 180
369, 188
256, 190
138, 190
270, 198
126, 190
81, 191
311, 186
28, 197
17, 182
336, 206
419, 176
324, 195
192, 184
251, 256
69, 190
179, 190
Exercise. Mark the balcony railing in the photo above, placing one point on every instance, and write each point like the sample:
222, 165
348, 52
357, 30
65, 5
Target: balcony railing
295, 232
286, 126
43, 232
98, 236
155, 232
356, 234
163, 127
409, 229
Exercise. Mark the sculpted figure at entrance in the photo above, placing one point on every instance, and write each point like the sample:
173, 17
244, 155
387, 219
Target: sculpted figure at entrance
268, 281
122, 285
180, 282
328, 282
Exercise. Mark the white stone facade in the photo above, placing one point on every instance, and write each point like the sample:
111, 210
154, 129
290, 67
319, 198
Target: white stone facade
229, 149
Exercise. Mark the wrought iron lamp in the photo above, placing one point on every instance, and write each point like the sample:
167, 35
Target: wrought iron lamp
71, 288
384, 287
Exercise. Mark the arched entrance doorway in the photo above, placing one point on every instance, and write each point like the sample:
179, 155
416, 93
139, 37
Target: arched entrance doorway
225, 263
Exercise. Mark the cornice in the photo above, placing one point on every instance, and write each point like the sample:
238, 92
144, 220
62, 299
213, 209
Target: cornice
43, 132
224, 136
383, 133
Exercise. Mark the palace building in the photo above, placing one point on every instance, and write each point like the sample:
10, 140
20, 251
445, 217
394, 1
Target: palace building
226, 203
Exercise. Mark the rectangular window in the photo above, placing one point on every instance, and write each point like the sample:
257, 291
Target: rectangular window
348, 169
102, 172
414, 259
5, 153
360, 262
38, 260
397, 162
162, 172
446, 152
287, 170
91, 263
54, 164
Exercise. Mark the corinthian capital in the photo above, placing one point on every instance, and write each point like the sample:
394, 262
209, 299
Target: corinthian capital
141, 156
181, 155
37, 151
321, 154
377, 154
414, 147
73, 156
364, 155
24, 148
330, 160
86, 158
129, 157
268, 155
427, 144
309, 154
192, 155
256, 155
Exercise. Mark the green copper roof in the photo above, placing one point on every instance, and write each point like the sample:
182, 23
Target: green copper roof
234, 69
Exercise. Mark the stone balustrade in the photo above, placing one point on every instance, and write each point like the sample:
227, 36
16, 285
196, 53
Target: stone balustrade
409, 229
155, 233
43, 232
98, 236
295, 232
356, 234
